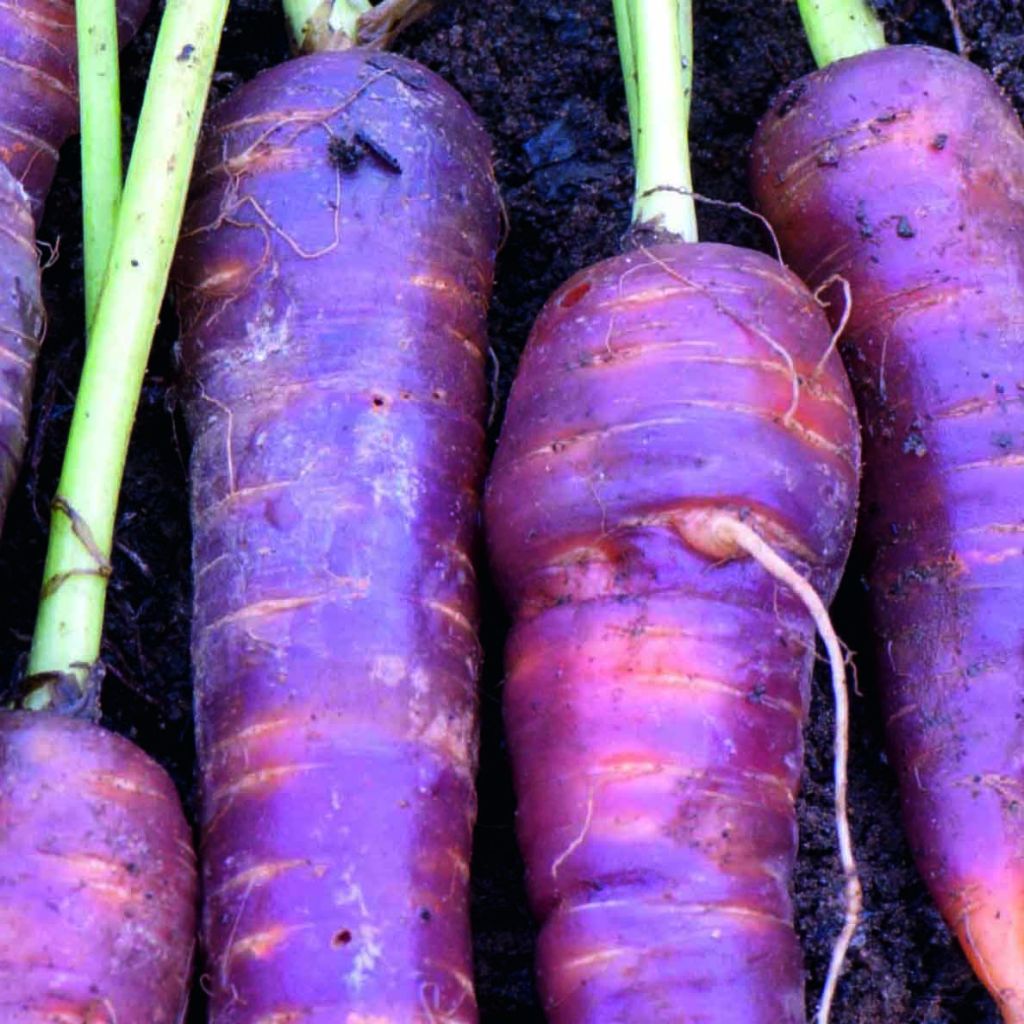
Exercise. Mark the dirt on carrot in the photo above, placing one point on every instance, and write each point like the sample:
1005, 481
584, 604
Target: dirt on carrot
544, 76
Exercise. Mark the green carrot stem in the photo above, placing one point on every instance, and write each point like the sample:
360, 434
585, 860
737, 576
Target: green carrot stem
67, 637
840, 28
100, 107
627, 57
301, 16
656, 40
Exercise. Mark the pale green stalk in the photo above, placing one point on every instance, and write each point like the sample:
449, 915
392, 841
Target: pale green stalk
840, 28
627, 57
68, 628
100, 108
656, 40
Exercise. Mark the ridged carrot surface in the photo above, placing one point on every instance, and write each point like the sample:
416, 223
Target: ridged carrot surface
656, 681
903, 171
334, 279
98, 878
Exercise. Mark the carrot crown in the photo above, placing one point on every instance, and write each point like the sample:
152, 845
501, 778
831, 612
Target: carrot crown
316, 25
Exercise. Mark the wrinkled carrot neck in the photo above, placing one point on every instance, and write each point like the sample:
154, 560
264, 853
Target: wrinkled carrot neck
840, 28
656, 47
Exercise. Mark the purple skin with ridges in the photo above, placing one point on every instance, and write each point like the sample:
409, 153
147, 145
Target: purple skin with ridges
98, 878
333, 281
656, 687
39, 85
21, 327
903, 171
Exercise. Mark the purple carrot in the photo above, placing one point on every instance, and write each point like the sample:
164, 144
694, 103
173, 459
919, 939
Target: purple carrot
902, 170
670, 507
333, 282
95, 845
657, 682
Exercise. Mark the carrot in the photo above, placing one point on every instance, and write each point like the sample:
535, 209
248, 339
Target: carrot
96, 862
675, 479
902, 170
333, 282
98, 875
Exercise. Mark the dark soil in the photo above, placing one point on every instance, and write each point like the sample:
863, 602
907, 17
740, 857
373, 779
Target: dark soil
544, 77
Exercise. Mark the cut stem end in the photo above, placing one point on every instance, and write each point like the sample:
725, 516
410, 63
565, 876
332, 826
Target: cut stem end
317, 26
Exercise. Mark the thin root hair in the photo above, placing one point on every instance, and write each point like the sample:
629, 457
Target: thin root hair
731, 529
728, 204
843, 320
